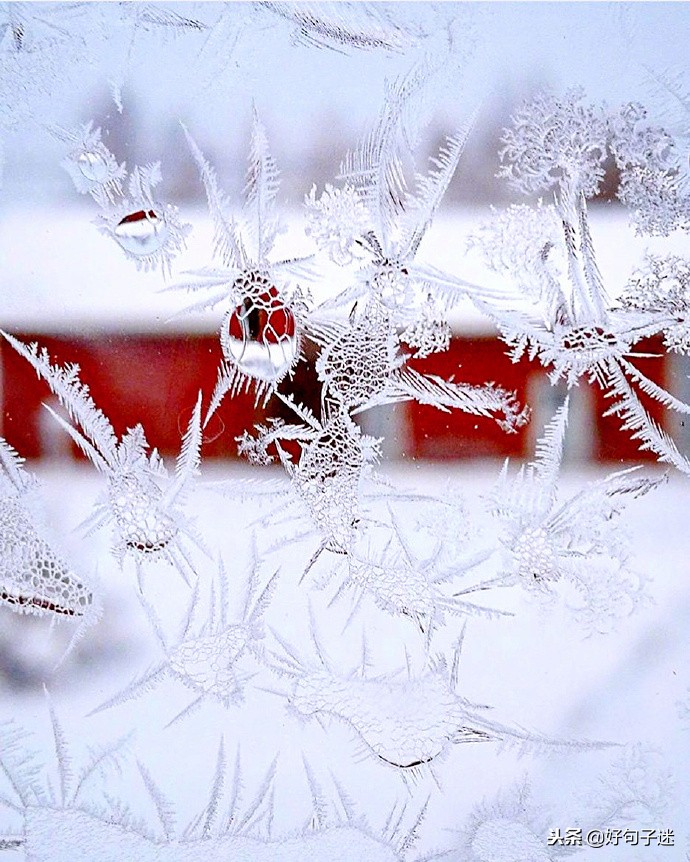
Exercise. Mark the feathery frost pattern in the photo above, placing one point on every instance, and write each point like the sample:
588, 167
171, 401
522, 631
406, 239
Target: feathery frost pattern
142, 500
562, 313
261, 332
207, 662
33, 577
405, 581
68, 818
575, 542
405, 720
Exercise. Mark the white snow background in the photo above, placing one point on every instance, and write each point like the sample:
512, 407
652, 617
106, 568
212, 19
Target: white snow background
535, 671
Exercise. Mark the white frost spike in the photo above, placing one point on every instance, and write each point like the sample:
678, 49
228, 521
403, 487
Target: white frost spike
361, 367
404, 721
396, 588
93, 168
91, 832
142, 501
375, 217
208, 662
570, 324
261, 332
489, 401
33, 577
261, 188
422, 206
402, 585
345, 26
578, 541
375, 168
148, 231
509, 829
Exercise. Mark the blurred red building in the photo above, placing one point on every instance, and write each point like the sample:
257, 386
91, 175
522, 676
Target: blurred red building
154, 380
145, 362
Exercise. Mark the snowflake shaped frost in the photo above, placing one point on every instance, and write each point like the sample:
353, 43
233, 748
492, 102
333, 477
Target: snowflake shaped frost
261, 332
141, 500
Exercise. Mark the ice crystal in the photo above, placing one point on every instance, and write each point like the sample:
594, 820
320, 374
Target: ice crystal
361, 366
345, 26
134, 22
405, 720
104, 830
262, 329
92, 167
142, 501
570, 324
336, 221
524, 244
556, 142
575, 541
652, 182
207, 659
637, 788
378, 221
362, 363
429, 334
40, 49
662, 289
632, 793
563, 143
327, 474
33, 576
95, 837
403, 585
399, 587
149, 232
397, 311
510, 828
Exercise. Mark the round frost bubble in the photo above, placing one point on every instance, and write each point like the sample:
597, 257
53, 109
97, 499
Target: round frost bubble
142, 232
93, 167
261, 337
505, 840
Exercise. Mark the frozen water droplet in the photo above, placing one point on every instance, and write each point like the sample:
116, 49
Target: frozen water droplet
93, 166
141, 233
262, 336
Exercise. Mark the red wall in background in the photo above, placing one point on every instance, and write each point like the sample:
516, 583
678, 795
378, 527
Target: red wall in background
155, 380
617, 445
148, 379
439, 436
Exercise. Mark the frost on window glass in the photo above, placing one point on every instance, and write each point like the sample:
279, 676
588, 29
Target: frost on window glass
343, 448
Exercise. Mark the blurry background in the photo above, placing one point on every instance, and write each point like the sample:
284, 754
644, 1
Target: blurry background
137, 70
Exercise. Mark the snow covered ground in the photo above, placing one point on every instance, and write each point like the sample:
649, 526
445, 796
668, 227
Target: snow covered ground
535, 669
